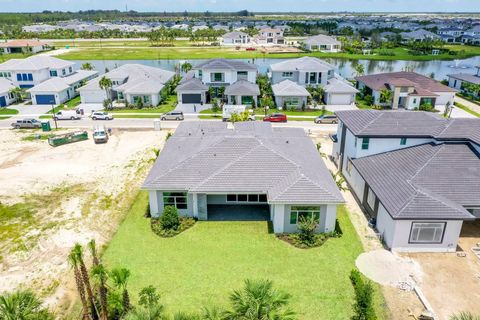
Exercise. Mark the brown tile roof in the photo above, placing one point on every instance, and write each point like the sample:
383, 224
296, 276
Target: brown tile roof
22, 43
378, 81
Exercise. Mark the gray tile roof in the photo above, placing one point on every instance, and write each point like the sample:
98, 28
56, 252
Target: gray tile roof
338, 86
253, 157
302, 64
375, 123
5, 85
226, 64
192, 84
243, 87
35, 63
424, 182
466, 77
288, 88
321, 39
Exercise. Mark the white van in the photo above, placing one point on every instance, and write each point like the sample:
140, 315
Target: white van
67, 115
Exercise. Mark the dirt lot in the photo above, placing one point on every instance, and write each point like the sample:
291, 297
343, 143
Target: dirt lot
58, 196
452, 283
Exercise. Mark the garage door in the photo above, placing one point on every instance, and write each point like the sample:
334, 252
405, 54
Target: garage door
92, 96
340, 99
45, 98
191, 98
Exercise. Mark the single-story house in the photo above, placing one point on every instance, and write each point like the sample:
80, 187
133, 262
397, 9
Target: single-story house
215, 163
338, 92
242, 92
409, 90
322, 43
419, 35
6, 97
23, 46
235, 38
131, 83
458, 80
57, 90
416, 174
191, 91
290, 94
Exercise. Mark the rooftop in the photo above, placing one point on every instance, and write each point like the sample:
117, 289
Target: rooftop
22, 43
321, 38
466, 77
302, 64
428, 181
289, 88
379, 81
35, 63
210, 157
226, 64
243, 87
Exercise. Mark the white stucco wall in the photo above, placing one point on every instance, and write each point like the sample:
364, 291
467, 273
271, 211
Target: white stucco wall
92, 96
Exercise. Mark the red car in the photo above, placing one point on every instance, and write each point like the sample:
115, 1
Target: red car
251, 49
276, 117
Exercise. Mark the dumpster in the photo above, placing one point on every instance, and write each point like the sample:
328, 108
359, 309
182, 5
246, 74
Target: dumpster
66, 138
46, 125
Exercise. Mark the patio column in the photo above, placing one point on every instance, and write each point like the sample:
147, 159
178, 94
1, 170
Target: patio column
195, 205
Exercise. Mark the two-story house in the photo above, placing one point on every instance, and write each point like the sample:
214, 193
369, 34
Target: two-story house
235, 38
291, 77
235, 79
28, 72
408, 90
416, 174
270, 36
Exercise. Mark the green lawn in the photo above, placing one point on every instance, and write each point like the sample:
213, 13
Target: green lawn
208, 52
201, 266
5, 113
466, 109
167, 106
71, 104
6, 57
259, 114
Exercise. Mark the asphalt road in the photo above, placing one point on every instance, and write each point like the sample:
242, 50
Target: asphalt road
145, 123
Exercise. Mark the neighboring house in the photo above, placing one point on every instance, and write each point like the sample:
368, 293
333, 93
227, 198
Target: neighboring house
222, 73
419, 35
451, 35
309, 71
131, 83
191, 91
57, 90
290, 179
31, 71
289, 94
23, 46
322, 43
235, 38
6, 97
458, 80
338, 92
409, 90
416, 173
270, 36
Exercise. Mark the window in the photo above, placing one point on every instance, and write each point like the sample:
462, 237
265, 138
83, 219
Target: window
313, 77
53, 73
349, 165
287, 74
242, 75
371, 198
217, 77
199, 73
365, 143
24, 77
306, 212
120, 95
19, 77
292, 101
403, 141
176, 199
64, 72
70, 69
255, 198
146, 99
29, 77
427, 232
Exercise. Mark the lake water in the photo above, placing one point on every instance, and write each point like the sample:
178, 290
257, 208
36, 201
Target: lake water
345, 68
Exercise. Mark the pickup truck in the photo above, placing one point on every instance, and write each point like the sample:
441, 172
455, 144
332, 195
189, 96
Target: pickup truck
29, 123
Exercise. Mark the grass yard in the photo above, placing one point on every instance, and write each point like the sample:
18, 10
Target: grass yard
201, 266
466, 109
207, 52
6, 113
260, 113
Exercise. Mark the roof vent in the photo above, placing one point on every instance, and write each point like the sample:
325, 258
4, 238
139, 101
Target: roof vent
287, 141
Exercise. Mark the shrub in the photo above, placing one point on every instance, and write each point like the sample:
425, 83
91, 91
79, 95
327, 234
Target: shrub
169, 219
368, 99
306, 228
363, 306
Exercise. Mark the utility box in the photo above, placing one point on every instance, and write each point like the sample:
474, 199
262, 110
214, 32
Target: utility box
46, 126
157, 125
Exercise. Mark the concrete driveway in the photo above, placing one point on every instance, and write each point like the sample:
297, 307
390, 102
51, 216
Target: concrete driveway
191, 107
31, 109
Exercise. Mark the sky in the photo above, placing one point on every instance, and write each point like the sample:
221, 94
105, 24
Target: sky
251, 5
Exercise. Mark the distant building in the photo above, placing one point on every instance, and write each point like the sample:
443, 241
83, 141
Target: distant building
270, 36
235, 38
322, 43
23, 46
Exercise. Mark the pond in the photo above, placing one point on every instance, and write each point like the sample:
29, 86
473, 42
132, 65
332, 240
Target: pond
345, 68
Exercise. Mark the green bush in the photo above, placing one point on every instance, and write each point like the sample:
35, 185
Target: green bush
363, 306
306, 228
169, 219
368, 99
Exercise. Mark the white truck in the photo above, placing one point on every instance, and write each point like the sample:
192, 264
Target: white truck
67, 115
228, 110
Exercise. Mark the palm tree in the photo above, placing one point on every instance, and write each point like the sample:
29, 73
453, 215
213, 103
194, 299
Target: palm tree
120, 278
385, 96
359, 69
465, 316
73, 260
186, 66
22, 305
19, 93
106, 84
87, 66
258, 300
100, 274
78, 251
155, 312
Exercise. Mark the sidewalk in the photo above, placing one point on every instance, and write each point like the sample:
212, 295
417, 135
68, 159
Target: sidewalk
472, 106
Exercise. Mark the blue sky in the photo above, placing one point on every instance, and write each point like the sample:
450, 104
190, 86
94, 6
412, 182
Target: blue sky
252, 5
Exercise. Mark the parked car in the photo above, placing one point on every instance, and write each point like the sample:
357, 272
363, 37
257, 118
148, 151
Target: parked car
67, 115
276, 117
172, 115
100, 135
251, 49
101, 115
27, 124
330, 118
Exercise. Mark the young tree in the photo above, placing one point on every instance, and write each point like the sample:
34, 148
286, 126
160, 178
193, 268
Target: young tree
306, 228
169, 219
74, 263
18, 93
78, 251
186, 66
386, 96
87, 66
106, 84
120, 278
22, 305
258, 300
